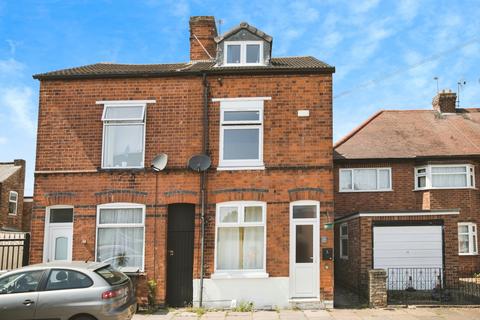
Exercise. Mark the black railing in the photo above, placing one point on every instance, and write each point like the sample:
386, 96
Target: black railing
14, 250
430, 286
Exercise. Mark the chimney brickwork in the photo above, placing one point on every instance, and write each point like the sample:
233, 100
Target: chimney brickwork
205, 30
444, 102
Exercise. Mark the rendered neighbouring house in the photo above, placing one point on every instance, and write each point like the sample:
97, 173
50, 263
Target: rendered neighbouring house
407, 198
266, 123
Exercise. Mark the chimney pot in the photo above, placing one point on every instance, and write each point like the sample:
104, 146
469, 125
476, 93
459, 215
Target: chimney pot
202, 38
445, 101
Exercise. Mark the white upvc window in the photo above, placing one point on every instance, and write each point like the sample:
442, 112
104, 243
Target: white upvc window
241, 134
240, 239
344, 240
444, 177
121, 236
243, 53
467, 238
365, 180
12, 203
123, 134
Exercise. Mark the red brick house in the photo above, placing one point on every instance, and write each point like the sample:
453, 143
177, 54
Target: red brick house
12, 182
406, 193
266, 124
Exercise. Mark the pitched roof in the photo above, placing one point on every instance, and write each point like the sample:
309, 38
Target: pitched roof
244, 25
394, 134
6, 170
109, 70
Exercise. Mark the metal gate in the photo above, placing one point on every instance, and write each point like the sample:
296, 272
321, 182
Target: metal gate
14, 250
430, 286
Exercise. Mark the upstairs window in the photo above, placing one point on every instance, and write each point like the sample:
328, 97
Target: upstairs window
123, 135
12, 202
444, 177
241, 134
467, 238
243, 52
365, 180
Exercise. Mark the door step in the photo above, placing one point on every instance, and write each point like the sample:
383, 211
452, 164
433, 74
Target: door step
304, 304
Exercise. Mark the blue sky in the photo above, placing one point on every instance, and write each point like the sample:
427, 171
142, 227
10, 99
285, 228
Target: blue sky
386, 52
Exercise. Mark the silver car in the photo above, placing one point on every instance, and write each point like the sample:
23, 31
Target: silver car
66, 291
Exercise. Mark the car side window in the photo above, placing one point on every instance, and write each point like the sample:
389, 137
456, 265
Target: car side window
21, 282
61, 279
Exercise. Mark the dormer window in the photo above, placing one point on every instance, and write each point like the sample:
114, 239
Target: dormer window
243, 53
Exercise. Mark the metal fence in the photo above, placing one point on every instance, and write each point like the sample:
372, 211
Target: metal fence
430, 286
14, 250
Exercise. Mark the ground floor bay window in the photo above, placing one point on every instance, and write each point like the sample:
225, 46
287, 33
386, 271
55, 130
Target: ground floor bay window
240, 240
120, 236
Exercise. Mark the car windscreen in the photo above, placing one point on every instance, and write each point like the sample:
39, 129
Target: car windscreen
112, 276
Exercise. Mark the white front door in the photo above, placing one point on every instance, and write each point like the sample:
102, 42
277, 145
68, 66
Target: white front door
304, 249
58, 234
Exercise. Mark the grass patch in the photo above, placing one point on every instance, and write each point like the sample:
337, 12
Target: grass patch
245, 306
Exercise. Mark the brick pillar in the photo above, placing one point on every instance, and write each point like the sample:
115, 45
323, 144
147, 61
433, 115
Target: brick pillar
377, 288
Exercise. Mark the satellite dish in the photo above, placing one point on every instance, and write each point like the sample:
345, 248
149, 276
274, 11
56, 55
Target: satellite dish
159, 162
199, 162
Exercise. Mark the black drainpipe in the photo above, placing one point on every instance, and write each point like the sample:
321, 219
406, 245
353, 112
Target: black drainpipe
203, 181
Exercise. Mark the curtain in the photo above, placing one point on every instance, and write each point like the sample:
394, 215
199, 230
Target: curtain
117, 216
240, 248
121, 247
449, 180
346, 180
366, 179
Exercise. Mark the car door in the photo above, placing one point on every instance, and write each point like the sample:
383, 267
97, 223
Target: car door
19, 295
67, 293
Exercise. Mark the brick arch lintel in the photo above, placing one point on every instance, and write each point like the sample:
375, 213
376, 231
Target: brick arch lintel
241, 194
121, 195
305, 193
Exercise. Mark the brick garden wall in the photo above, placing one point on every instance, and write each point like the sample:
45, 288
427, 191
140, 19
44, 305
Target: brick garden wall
297, 156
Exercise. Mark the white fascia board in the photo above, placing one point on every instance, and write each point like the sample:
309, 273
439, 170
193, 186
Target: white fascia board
398, 214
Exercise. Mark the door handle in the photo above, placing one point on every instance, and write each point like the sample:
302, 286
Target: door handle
28, 302
171, 252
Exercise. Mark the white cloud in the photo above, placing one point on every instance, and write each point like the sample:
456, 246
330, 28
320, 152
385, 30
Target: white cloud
364, 6
10, 67
19, 101
408, 9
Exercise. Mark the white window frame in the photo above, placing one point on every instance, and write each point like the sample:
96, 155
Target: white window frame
352, 170
243, 53
469, 172
123, 122
343, 255
122, 205
241, 105
472, 238
241, 273
10, 194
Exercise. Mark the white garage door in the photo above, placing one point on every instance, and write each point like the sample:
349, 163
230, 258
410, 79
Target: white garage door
412, 254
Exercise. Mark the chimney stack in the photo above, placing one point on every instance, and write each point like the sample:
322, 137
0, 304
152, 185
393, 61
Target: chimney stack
202, 38
444, 101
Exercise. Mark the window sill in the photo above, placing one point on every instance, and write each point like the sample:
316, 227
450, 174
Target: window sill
344, 258
227, 168
447, 188
357, 191
238, 275
468, 254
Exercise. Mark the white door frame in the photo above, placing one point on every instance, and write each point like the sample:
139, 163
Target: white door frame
316, 248
46, 234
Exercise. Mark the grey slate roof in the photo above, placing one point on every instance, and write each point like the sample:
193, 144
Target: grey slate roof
250, 28
6, 170
305, 64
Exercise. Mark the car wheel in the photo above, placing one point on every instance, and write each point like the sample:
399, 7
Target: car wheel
83, 317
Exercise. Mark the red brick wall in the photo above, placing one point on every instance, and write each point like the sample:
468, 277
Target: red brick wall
403, 198
297, 156
13, 183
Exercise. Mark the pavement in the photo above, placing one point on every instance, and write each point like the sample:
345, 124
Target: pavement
335, 314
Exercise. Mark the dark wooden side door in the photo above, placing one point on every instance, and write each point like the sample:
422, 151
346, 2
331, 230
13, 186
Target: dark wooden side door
180, 254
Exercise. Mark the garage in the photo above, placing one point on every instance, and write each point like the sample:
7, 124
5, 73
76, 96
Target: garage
412, 255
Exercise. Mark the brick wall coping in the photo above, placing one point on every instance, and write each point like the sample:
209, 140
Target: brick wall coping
399, 214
